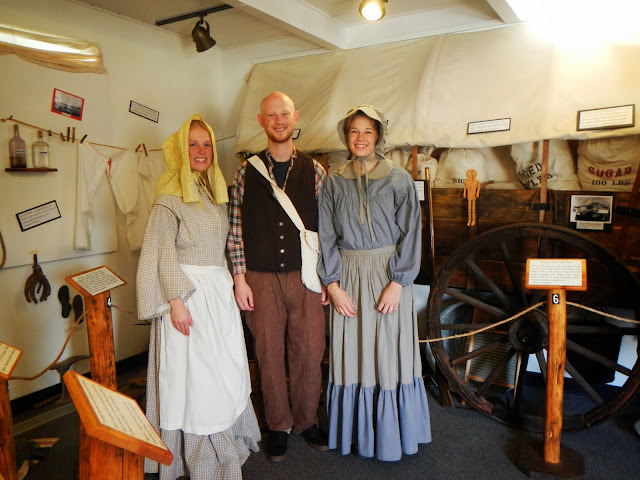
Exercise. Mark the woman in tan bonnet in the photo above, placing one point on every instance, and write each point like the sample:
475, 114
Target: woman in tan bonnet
198, 382
370, 234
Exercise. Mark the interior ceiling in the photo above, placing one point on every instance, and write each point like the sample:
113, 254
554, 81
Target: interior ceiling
330, 24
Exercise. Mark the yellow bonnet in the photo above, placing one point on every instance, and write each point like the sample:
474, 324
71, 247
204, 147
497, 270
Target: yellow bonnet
178, 180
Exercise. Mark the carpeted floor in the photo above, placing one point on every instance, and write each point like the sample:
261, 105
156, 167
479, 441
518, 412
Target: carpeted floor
466, 445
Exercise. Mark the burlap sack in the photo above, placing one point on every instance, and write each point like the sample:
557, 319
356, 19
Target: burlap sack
561, 167
609, 163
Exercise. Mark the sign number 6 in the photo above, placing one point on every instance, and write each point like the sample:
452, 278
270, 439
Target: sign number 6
555, 298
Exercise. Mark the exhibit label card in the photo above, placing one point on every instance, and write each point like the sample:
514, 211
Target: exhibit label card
498, 125
98, 280
8, 359
119, 412
38, 215
554, 272
602, 118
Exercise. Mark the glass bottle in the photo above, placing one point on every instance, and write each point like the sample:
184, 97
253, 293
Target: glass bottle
40, 152
17, 150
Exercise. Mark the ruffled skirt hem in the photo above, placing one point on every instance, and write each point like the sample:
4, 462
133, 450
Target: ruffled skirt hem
384, 424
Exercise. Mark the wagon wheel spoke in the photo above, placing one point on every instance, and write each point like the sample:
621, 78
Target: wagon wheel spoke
489, 284
523, 362
596, 357
515, 280
476, 303
479, 351
542, 364
497, 370
542, 247
582, 383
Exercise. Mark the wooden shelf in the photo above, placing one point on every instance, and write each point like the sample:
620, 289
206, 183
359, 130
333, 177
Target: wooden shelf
30, 170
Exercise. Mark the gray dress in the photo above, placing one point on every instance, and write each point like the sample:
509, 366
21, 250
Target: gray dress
370, 234
179, 233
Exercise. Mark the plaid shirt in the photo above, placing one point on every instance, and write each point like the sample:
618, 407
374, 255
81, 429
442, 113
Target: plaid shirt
235, 243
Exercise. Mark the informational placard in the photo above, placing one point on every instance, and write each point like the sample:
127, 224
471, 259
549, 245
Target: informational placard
119, 412
39, 215
115, 418
97, 280
420, 189
603, 118
549, 273
144, 112
9, 357
497, 125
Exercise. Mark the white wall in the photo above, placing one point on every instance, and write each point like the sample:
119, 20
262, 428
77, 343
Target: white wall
144, 64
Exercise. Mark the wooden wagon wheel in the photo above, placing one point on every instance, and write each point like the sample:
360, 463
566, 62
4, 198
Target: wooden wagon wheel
482, 283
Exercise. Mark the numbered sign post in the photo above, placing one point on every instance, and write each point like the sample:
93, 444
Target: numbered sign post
9, 357
99, 459
556, 276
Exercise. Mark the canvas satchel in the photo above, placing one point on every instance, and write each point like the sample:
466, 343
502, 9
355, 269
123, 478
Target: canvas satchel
309, 243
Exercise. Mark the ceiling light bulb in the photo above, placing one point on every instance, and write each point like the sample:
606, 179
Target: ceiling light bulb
372, 10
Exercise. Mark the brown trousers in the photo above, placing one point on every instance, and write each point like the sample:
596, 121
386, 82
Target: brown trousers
287, 314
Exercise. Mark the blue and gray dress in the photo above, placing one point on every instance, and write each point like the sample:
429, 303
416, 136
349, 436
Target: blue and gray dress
370, 234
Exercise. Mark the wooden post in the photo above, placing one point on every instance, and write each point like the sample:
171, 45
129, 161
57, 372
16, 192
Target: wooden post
556, 276
557, 316
100, 460
414, 162
543, 178
100, 335
8, 468
9, 357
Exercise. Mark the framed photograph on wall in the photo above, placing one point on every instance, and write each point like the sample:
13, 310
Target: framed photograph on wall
67, 104
591, 212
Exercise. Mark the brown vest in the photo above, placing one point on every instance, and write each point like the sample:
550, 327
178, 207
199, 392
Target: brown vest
271, 240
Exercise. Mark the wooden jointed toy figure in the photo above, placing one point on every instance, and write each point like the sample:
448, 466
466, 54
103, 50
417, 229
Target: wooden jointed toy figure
471, 193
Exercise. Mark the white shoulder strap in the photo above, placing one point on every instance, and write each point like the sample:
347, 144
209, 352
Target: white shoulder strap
280, 194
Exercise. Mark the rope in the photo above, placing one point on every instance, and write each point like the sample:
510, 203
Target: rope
48, 367
64, 346
610, 315
140, 322
488, 327
506, 320
125, 311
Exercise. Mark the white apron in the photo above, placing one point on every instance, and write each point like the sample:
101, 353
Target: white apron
204, 378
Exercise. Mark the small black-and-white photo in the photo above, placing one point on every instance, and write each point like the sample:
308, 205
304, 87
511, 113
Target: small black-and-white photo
591, 208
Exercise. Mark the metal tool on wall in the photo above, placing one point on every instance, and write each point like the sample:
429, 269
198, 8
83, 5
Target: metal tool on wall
37, 283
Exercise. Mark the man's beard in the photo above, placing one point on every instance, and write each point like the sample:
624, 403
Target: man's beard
283, 138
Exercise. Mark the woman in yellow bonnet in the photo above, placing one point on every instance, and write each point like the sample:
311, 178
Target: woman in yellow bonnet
198, 383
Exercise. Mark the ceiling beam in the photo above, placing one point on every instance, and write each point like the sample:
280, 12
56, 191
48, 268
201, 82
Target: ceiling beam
459, 18
504, 11
297, 18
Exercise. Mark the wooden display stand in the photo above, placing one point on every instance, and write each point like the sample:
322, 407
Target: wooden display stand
112, 423
556, 276
9, 357
102, 456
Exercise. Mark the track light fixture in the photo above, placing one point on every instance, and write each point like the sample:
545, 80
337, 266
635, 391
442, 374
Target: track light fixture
202, 36
372, 10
